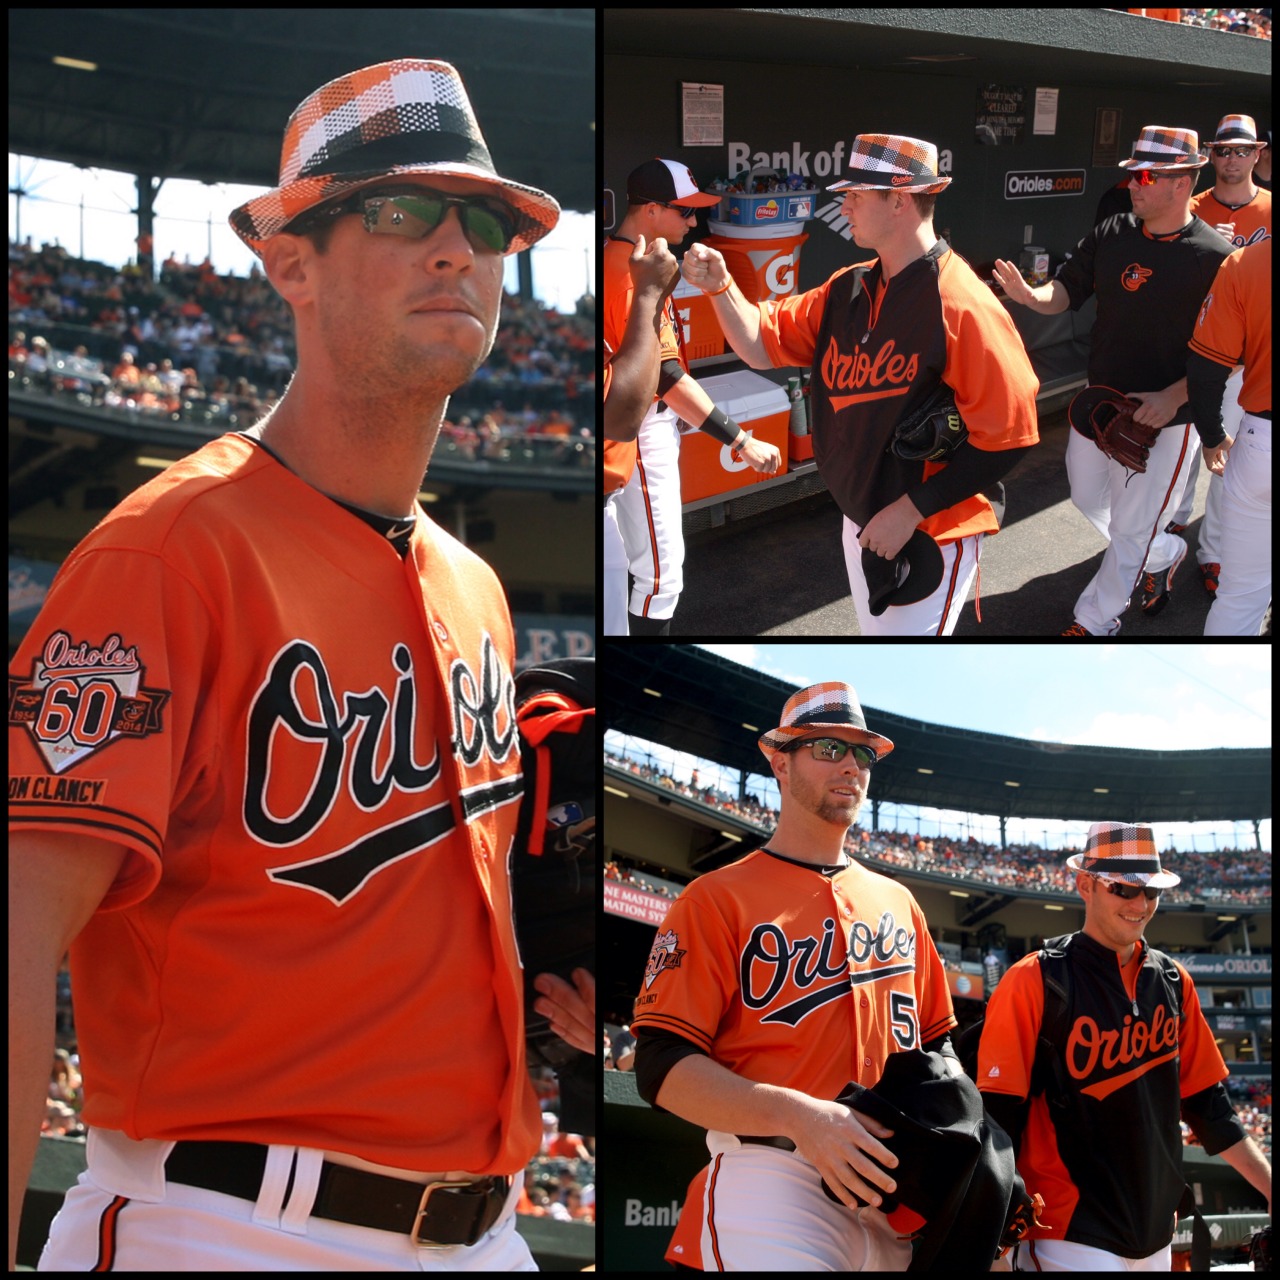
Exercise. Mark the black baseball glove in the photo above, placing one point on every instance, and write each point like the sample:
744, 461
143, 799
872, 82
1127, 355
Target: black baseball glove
553, 867
933, 432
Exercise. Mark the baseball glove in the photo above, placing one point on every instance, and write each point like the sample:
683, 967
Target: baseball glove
1107, 417
1260, 1249
553, 869
933, 432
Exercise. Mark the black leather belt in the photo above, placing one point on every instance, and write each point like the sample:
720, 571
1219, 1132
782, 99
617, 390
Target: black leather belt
437, 1214
784, 1144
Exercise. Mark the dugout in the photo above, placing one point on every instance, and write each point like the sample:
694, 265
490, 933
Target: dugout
1031, 111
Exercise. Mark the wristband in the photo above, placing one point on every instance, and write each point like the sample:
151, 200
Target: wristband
719, 426
718, 292
736, 452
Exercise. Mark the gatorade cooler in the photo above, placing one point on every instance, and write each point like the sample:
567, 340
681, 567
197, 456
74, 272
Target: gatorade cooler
755, 404
700, 330
763, 261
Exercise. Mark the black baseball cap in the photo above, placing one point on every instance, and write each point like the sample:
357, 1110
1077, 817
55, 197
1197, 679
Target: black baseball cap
667, 182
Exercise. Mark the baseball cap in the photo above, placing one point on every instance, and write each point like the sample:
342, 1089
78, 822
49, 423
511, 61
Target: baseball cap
667, 182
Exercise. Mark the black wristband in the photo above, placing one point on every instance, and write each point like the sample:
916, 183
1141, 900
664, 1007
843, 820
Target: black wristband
721, 427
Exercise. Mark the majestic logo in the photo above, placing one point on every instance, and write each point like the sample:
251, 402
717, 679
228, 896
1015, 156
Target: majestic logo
81, 697
307, 745
779, 972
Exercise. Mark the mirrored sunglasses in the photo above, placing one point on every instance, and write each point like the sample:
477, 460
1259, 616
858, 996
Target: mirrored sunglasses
1145, 177
834, 750
1129, 891
489, 224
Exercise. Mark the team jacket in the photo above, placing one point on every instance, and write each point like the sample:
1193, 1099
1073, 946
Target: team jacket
1149, 290
789, 976
878, 352
1234, 324
307, 745
1108, 1162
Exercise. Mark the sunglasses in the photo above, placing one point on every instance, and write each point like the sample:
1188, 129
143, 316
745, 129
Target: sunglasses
1223, 152
1129, 891
675, 208
1145, 178
489, 224
833, 750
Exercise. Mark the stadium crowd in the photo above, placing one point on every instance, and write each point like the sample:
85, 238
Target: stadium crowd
1221, 875
217, 351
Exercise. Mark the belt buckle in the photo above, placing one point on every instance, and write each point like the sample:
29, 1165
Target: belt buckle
422, 1209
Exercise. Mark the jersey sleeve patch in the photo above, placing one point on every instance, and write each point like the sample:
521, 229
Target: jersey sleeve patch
80, 696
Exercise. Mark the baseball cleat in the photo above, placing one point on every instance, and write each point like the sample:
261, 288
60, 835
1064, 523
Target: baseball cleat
1157, 586
1209, 575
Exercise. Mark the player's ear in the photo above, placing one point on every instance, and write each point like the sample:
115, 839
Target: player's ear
288, 261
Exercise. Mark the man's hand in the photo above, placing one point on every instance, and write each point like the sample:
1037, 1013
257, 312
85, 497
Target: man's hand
1216, 459
653, 268
1156, 408
762, 455
1009, 278
888, 531
572, 1013
705, 269
839, 1143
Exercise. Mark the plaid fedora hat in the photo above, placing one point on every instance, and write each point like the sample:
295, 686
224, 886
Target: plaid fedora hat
1124, 853
403, 117
830, 705
890, 162
1162, 148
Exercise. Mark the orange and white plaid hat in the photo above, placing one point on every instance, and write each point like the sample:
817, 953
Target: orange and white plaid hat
890, 162
1162, 148
820, 707
402, 117
1238, 131
1125, 853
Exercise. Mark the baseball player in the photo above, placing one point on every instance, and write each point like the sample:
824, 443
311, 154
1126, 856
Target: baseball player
630, 380
264, 776
882, 337
1150, 270
772, 984
1241, 212
662, 200
1235, 327
1128, 1052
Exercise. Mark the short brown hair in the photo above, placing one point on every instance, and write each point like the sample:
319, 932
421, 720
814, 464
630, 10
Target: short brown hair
924, 203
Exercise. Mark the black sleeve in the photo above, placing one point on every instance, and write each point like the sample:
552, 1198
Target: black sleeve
1213, 1119
971, 470
656, 1053
1206, 382
1009, 1113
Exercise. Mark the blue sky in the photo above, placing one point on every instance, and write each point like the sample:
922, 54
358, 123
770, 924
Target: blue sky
1146, 696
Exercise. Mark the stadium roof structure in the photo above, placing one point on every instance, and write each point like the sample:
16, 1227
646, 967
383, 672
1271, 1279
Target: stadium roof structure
205, 93
713, 708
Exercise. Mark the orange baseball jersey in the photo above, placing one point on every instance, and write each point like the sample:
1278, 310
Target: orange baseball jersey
619, 289
1234, 325
789, 976
1129, 1059
1252, 220
307, 745
879, 351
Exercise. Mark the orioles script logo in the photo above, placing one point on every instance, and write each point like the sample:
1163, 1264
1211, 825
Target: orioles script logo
869, 377
771, 965
1147, 1045
315, 744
